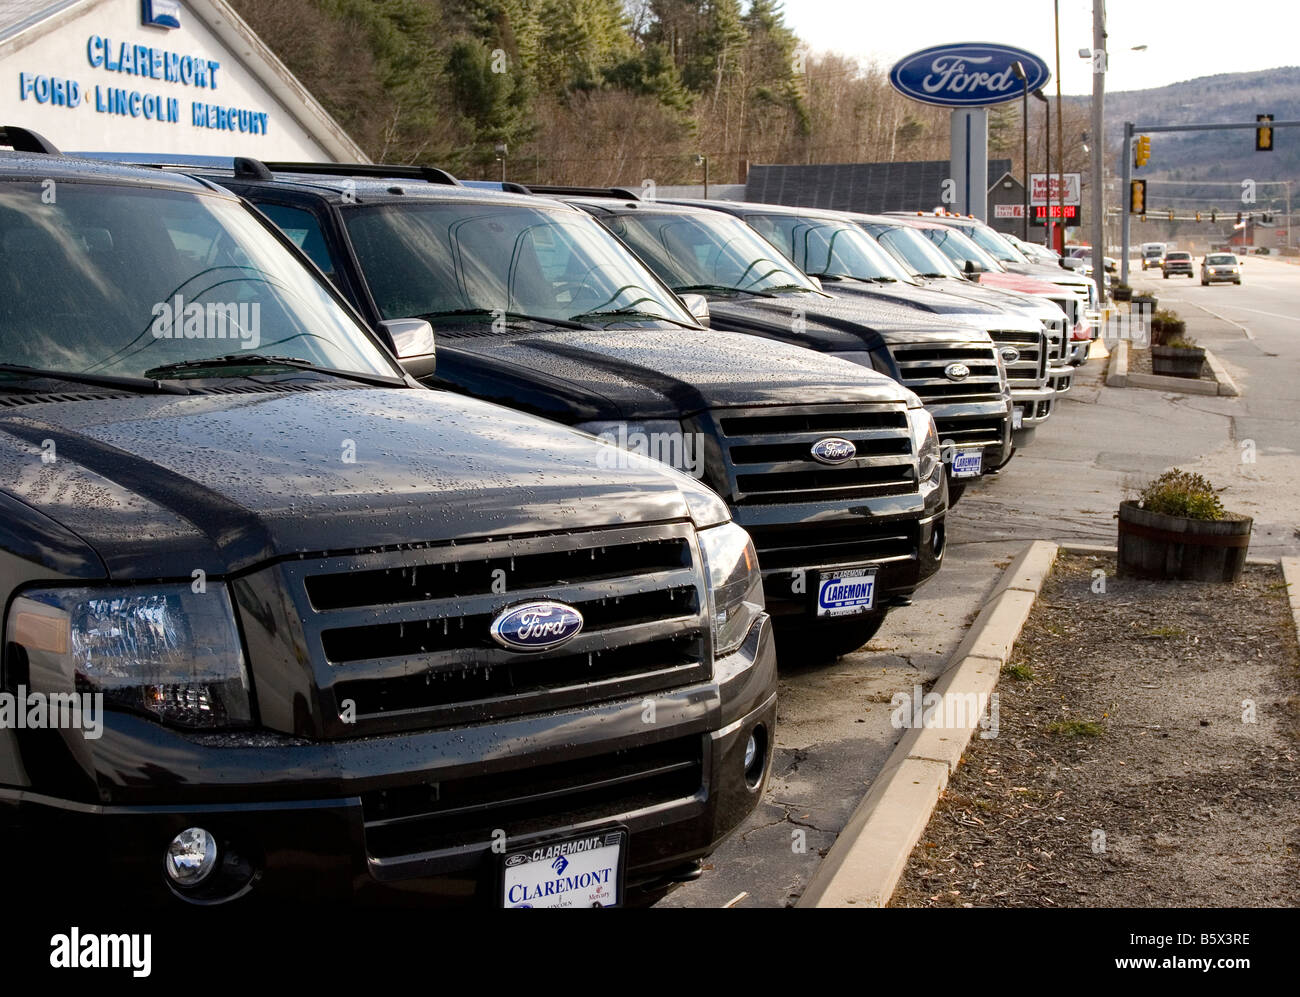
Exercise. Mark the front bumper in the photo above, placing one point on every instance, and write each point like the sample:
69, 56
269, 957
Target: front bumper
1061, 378
1220, 278
299, 820
1034, 406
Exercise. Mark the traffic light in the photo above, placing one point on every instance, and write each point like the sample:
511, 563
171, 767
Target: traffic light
1214, 216
1264, 133
1142, 150
1137, 197
1238, 217
1198, 216
1171, 214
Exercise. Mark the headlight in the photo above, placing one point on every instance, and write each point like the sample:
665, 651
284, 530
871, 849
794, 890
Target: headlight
925, 438
735, 585
164, 650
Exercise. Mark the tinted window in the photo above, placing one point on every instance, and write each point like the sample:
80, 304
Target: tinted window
429, 259
825, 247
304, 231
118, 280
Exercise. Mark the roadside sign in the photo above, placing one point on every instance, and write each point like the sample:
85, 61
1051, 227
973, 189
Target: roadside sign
1069, 184
1008, 211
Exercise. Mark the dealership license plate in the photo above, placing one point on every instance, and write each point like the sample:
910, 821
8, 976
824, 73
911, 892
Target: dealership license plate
967, 463
846, 593
586, 871
1017, 418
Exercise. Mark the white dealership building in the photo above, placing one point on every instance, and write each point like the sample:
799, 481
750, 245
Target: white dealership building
180, 77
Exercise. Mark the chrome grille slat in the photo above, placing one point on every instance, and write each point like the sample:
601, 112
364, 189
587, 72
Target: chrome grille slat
921, 367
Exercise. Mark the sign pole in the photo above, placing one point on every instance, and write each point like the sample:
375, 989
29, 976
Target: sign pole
1099, 57
969, 159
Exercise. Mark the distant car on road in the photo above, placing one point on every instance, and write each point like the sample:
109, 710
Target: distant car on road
1153, 255
1177, 262
1220, 267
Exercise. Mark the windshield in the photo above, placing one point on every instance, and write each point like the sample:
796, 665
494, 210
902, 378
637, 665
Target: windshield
440, 260
827, 248
1179, 256
959, 249
993, 244
1221, 259
116, 280
913, 250
708, 251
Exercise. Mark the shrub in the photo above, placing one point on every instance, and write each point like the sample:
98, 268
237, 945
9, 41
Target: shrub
1166, 327
1182, 493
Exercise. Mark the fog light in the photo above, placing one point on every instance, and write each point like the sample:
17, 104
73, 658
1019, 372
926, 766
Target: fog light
755, 756
191, 857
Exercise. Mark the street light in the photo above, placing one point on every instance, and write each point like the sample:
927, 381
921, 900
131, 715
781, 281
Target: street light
1019, 72
704, 161
1047, 159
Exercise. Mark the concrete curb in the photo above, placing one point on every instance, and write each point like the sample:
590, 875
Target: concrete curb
1227, 386
1291, 575
867, 860
1118, 376
1117, 372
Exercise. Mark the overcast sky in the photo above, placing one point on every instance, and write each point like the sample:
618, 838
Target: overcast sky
1184, 39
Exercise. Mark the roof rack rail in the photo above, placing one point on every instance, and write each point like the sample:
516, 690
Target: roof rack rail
26, 140
429, 174
564, 190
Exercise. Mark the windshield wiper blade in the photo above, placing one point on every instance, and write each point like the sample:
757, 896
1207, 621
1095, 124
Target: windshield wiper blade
562, 323
792, 287
633, 313
719, 289
140, 385
183, 367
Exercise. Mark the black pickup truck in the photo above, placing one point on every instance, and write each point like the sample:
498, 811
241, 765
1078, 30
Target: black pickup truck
952, 366
834, 470
281, 623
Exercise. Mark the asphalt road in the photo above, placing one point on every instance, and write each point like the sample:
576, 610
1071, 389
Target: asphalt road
834, 733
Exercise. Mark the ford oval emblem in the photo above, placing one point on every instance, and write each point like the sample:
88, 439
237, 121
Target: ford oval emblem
536, 626
1010, 354
956, 372
834, 450
970, 75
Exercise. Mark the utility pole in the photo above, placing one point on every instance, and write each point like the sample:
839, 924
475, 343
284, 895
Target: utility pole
1099, 57
1060, 146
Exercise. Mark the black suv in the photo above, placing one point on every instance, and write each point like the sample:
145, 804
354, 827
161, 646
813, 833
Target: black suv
753, 288
833, 469
295, 626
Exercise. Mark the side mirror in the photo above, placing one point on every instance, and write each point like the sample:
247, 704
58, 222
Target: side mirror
698, 306
412, 341
973, 269
1072, 263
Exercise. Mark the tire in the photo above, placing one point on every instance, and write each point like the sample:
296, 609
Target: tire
1205, 283
805, 643
1165, 275
1237, 282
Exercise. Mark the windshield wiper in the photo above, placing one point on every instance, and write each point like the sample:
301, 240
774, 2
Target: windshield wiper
562, 323
632, 313
792, 287
141, 385
719, 289
183, 367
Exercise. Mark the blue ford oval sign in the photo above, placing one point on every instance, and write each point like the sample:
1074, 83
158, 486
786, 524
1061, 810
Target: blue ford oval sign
834, 450
970, 75
536, 626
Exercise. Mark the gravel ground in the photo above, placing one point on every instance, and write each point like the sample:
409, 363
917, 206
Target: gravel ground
1124, 772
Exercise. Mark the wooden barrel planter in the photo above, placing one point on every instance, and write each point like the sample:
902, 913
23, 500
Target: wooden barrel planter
1177, 361
1153, 545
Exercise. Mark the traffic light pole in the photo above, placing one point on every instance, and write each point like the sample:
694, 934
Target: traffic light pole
1130, 128
1126, 192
